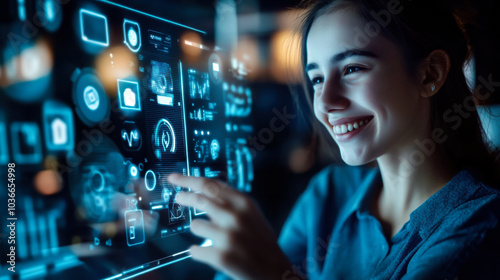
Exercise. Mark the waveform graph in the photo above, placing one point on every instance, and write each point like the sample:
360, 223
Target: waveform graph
131, 136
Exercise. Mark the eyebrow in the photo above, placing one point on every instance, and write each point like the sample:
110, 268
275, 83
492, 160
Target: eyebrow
341, 56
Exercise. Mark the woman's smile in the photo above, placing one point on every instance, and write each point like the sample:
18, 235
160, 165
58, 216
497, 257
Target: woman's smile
346, 128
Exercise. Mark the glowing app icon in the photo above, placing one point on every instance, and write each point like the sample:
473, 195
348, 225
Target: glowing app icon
131, 136
164, 140
133, 171
214, 149
91, 102
26, 143
134, 226
58, 126
128, 92
94, 28
215, 67
132, 35
129, 98
59, 132
91, 98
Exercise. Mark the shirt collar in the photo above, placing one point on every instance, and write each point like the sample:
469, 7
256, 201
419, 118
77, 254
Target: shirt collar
457, 191
361, 200
427, 216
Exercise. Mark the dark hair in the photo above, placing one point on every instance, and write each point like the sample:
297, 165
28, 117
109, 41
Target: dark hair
418, 28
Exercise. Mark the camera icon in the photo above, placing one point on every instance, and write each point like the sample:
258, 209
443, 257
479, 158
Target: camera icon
91, 98
132, 35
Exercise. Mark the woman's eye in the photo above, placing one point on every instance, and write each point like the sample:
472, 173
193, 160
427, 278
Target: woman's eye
353, 68
317, 80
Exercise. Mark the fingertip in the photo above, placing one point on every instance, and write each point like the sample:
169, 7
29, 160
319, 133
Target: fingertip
193, 250
173, 176
180, 197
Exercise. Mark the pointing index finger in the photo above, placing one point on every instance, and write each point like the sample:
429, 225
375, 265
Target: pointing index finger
209, 187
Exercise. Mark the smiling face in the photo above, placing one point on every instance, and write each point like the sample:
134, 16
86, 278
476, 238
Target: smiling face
362, 95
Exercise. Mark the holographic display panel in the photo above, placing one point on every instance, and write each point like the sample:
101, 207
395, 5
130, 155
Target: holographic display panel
139, 100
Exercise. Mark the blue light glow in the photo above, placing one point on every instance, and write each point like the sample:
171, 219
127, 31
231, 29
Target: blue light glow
132, 35
184, 119
21, 10
134, 227
58, 126
150, 180
128, 94
91, 27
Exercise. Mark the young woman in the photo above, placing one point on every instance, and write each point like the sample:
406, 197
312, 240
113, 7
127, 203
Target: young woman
387, 83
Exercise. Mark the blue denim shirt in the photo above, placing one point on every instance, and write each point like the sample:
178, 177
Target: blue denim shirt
331, 234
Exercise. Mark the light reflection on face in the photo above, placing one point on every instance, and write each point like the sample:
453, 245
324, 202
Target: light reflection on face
363, 96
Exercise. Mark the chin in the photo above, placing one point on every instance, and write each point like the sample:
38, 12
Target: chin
355, 158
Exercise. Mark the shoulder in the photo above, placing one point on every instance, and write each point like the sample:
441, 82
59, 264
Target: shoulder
461, 232
478, 205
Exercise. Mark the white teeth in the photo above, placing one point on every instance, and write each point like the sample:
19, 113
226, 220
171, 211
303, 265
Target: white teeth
344, 128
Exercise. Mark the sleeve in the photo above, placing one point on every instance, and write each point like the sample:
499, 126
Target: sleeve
293, 236
301, 226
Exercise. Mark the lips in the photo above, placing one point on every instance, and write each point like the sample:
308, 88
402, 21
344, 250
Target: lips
347, 125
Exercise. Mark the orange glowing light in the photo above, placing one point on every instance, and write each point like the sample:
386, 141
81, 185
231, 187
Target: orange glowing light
113, 64
285, 57
192, 45
47, 182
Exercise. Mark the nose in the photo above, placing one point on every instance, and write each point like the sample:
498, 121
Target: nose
332, 97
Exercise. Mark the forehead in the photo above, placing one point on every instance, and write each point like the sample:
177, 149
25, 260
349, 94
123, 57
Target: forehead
336, 32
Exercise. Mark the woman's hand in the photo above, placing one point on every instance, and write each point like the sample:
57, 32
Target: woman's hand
244, 245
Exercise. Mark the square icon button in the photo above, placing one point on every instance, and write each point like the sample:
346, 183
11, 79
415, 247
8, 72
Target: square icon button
128, 94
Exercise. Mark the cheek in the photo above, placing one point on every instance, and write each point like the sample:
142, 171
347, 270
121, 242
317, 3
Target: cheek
391, 94
317, 112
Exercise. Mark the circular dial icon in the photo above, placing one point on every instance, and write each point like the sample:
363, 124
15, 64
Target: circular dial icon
132, 37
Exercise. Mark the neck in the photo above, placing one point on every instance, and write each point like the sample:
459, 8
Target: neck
409, 178
411, 175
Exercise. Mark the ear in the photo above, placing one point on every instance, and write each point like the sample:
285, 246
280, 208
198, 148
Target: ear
434, 71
